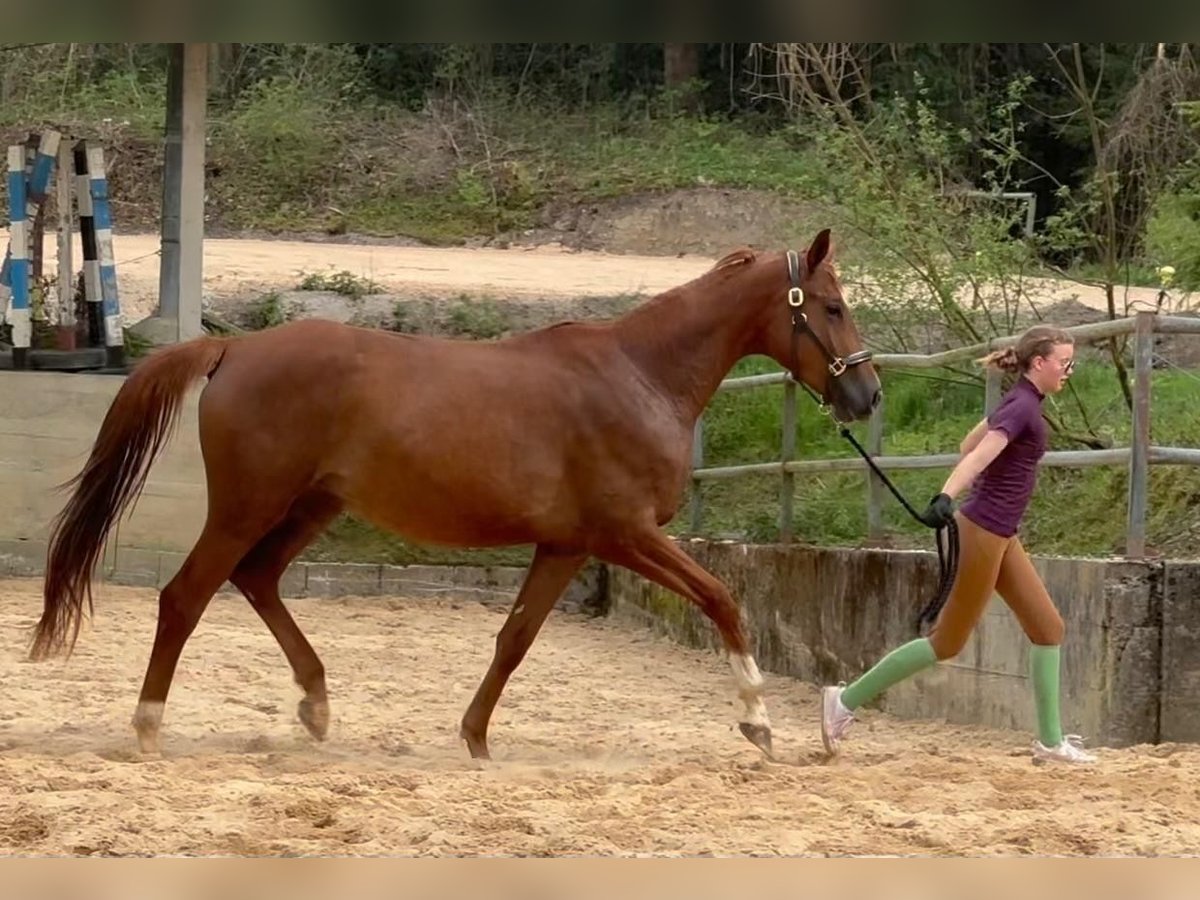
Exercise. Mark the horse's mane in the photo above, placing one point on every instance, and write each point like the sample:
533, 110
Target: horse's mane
734, 258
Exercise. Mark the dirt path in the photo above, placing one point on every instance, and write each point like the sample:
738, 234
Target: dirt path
249, 268
608, 742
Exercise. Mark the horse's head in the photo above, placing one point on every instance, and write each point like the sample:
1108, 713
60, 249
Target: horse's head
811, 332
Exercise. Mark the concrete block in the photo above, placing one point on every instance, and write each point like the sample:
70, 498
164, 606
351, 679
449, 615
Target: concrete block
1180, 694
294, 582
22, 558
133, 567
342, 580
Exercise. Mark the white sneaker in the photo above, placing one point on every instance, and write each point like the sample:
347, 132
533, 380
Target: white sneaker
835, 718
1068, 751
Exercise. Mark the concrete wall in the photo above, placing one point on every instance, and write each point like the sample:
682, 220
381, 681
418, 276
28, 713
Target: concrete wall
48, 421
825, 615
1180, 708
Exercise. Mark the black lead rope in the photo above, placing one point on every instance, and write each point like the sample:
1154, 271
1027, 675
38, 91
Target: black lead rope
946, 535
947, 550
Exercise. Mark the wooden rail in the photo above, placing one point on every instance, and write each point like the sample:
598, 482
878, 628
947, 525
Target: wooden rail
1138, 457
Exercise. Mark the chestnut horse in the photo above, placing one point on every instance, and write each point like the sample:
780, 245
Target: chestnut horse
575, 438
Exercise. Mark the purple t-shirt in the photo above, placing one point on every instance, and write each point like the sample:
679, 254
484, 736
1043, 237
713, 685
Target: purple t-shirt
1003, 489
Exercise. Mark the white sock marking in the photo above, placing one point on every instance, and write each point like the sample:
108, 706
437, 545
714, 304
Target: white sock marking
148, 715
750, 682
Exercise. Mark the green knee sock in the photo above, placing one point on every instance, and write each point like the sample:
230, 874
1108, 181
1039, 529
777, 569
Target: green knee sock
1043, 667
905, 660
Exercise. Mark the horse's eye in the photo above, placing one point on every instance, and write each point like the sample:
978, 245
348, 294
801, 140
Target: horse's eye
834, 309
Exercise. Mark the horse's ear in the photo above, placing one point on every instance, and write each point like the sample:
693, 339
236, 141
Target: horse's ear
818, 250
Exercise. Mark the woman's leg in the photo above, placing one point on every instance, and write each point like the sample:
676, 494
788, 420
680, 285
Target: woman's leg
979, 563
1022, 589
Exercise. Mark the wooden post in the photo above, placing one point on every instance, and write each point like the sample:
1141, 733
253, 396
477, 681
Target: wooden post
1139, 445
168, 269
697, 504
87, 240
110, 302
787, 452
35, 215
991, 390
193, 98
181, 272
875, 486
66, 268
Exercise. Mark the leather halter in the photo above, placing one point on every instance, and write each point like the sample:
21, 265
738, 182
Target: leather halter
837, 365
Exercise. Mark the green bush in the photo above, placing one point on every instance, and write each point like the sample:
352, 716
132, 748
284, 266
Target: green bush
1173, 234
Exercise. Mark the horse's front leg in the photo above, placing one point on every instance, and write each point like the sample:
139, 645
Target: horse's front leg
655, 557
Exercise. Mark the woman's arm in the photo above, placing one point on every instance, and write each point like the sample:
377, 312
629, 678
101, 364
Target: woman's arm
986, 449
974, 436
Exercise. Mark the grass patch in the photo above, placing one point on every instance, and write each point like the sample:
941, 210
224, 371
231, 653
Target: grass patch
343, 282
267, 311
350, 539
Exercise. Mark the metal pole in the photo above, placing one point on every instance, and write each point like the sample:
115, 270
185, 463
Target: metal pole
875, 486
1139, 445
787, 481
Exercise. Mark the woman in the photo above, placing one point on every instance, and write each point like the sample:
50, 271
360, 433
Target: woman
1000, 456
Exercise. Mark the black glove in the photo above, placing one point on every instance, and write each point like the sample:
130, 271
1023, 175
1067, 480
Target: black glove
939, 512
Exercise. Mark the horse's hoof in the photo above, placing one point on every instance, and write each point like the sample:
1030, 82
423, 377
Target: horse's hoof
147, 720
476, 745
758, 735
314, 714
148, 745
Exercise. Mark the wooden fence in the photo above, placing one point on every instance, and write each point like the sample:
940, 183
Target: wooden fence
1138, 457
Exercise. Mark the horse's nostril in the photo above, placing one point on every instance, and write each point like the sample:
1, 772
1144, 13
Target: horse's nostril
876, 398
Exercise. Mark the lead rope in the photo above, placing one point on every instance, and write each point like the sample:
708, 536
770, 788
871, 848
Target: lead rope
947, 553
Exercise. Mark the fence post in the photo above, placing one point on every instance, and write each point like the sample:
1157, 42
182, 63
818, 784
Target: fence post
87, 241
874, 483
787, 452
991, 390
65, 287
697, 504
114, 337
1139, 444
19, 316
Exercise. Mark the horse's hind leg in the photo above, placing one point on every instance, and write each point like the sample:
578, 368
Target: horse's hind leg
257, 577
547, 578
658, 559
180, 605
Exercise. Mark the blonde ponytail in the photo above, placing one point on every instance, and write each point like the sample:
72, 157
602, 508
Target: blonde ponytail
1039, 340
1005, 359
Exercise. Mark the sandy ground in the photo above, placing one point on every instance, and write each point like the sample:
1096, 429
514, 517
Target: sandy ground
249, 268
608, 741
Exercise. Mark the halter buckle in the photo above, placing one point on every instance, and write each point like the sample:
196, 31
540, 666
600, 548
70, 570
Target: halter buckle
837, 367
795, 296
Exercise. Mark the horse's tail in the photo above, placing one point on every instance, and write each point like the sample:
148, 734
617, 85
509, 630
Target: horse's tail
136, 427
